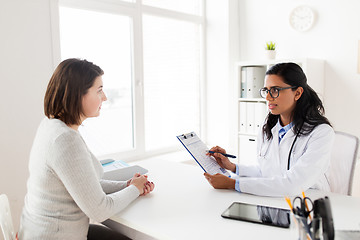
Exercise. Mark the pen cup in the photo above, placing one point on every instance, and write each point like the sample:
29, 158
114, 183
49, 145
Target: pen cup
317, 229
299, 228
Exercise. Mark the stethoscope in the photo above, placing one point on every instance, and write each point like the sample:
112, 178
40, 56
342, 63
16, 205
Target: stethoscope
289, 156
292, 146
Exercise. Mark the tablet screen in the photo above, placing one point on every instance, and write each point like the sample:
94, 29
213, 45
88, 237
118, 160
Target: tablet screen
258, 214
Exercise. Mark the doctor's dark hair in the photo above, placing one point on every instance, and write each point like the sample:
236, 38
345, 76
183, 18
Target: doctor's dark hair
309, 110
70, 81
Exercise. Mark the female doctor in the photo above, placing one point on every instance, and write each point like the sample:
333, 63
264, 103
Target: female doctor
293, 151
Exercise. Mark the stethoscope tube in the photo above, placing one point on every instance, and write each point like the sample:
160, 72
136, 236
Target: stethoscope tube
292, 146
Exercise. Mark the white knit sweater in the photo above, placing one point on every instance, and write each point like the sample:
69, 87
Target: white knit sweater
65, 187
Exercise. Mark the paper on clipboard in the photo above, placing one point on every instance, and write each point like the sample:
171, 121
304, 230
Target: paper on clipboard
198, 150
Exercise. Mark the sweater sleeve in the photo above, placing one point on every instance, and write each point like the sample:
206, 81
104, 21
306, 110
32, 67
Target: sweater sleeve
71, 162
109, 186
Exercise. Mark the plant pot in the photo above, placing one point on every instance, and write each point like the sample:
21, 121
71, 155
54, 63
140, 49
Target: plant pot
270, 54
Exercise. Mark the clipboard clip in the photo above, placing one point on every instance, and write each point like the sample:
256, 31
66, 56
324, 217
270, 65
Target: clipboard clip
186, 135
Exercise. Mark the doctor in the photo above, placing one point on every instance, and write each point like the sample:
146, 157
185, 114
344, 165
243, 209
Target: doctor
293, 152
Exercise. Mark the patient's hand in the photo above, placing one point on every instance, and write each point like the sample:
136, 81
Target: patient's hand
141, 183
149, 187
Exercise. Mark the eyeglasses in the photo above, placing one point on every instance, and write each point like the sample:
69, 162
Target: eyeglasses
274, 91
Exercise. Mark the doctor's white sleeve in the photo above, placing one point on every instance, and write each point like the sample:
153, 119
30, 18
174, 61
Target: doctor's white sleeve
309, 168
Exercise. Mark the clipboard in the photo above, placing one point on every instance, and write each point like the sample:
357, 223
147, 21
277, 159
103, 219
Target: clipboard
198, 150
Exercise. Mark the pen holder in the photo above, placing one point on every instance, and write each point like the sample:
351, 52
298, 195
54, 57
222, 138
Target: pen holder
317, 232
299, 227
302, 228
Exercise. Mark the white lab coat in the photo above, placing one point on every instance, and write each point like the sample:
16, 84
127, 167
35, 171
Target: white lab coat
310, 160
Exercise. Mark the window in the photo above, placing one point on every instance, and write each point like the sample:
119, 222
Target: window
171, 79
104, 39
152, 61
185, 6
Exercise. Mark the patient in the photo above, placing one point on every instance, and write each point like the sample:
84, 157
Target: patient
65, 188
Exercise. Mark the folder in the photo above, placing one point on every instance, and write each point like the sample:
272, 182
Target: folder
120, 170
260, 114
242, 117
255, 80
250, 117
247, 149
243, 88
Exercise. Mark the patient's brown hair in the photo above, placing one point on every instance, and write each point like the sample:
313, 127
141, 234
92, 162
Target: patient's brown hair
68, 84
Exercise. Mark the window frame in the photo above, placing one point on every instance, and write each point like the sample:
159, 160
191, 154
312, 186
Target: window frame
135, 11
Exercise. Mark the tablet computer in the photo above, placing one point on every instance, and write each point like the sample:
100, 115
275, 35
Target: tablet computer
272, 216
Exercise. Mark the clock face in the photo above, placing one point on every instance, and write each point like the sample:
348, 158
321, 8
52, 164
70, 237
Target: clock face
302, 18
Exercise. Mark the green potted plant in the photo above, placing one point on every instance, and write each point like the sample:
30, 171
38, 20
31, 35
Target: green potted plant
270, 50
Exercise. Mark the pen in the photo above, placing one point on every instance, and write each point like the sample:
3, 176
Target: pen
289, 202
224, 154
306, 205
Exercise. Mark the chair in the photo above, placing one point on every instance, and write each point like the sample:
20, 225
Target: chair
342, 163
6, 223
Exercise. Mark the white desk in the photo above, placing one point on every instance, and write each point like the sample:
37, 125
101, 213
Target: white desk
183, 205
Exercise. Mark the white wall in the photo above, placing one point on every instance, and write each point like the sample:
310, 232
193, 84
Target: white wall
25, 68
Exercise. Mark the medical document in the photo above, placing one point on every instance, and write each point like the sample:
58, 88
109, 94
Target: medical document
114, 165
119, 170
198, 151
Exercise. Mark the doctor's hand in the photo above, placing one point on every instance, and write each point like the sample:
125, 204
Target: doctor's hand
219, 181
223, 161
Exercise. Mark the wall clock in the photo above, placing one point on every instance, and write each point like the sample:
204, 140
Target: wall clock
302, 18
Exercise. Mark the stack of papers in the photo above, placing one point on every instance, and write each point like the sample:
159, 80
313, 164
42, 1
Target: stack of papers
119, 170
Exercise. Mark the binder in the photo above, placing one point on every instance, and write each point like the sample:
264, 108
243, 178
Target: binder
260, 114
250, 117
242, 117
247, 149
243, 87
198, 150
255, 80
